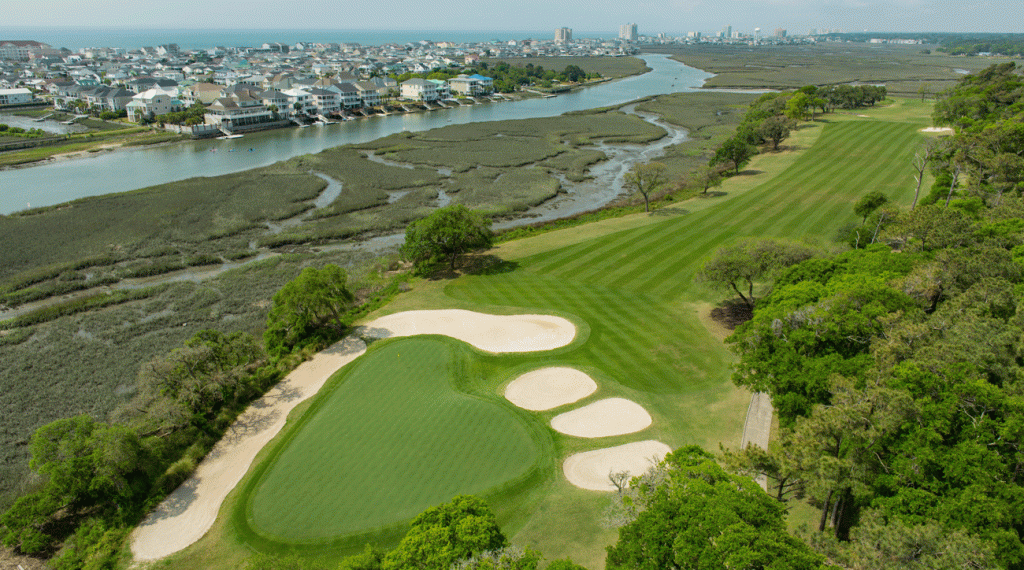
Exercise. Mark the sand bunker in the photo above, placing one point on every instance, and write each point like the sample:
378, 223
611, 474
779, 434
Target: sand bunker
493, 333
590, 470
946, 130
549, 388
188, 512
614, 416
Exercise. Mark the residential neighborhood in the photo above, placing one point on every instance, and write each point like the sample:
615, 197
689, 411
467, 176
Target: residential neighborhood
250, 88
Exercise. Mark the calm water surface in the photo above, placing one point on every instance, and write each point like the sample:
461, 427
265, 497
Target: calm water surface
130, 169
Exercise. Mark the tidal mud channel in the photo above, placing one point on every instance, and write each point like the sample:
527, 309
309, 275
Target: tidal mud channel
602, 184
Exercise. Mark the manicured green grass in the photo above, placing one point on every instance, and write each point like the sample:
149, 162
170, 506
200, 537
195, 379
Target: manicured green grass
629, 285
390, 437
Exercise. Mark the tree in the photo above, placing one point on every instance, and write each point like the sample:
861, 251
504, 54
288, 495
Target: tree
735, 151
645, 179
699, 516
775, 129
86, 464
441, 536
748, 262
708, 177
895, 545
312, 306
869, 203
446, 233
796, 107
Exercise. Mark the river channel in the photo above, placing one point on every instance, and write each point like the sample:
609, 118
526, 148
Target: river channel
121, 170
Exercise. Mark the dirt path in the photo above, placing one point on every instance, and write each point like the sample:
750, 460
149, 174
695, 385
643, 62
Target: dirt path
189, 512
757, 429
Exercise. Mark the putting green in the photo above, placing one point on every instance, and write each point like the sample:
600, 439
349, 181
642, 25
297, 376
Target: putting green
389, 437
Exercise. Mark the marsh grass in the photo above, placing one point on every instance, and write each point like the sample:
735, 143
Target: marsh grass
903, 69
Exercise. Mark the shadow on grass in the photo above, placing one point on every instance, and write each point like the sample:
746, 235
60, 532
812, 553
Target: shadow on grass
732, 313
669, 212
714, 194
475, 264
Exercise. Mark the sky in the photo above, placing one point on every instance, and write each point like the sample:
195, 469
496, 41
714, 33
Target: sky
672, 17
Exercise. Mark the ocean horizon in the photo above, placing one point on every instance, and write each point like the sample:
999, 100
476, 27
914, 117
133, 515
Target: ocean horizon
192, 39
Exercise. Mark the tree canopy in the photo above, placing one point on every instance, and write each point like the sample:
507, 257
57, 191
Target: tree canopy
446, 234
692, 514
312, 306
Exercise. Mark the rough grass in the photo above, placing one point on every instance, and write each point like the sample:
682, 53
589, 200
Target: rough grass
389, 437
628, 284
183, 214
903, 69
88, 362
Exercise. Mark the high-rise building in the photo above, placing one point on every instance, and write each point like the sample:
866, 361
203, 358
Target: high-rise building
628, 32
727, 32
780, 33
563, 35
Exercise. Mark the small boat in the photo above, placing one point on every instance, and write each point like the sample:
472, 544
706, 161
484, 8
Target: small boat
225, 137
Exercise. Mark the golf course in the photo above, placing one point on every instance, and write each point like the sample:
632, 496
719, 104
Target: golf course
419, 419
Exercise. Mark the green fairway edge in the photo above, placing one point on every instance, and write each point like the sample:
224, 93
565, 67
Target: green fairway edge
240, 517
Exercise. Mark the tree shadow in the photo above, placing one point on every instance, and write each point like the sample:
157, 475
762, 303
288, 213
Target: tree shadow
669, 212
712, 194
732, 313
474, 264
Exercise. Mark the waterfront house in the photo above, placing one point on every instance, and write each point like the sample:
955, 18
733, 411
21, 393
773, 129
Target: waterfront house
419, 90
204, 93
17, 96
237, 112
153, 102
275, 98
327, 101
369, 93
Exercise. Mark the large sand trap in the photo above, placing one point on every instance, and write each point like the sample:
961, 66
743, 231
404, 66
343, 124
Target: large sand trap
946, 130
614, 416
549, 388
493, 333
188, 512
590, 470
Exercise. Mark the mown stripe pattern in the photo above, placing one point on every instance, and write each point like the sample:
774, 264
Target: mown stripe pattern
811, 198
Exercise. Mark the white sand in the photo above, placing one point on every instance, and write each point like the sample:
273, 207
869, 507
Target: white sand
189, 512
614, 416
938, 130
590, 470
549, 388
493, 333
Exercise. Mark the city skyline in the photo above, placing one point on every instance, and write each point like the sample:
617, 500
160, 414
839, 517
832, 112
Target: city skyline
661, 16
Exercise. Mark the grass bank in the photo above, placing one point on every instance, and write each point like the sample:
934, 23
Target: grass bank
630, 281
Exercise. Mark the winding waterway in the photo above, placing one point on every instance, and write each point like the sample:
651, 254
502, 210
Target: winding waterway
129, 169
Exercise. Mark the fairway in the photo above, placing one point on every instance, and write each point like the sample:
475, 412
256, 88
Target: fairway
388, 438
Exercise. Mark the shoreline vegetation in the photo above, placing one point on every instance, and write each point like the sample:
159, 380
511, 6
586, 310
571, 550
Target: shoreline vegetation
106, 344
107, 136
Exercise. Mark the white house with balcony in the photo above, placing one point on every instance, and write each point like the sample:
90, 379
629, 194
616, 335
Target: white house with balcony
153, 102
306, 101
419, 90
237, 112
471, 85
19, 96
369, 93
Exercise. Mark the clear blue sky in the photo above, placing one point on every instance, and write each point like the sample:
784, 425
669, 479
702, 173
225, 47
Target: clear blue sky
651, 16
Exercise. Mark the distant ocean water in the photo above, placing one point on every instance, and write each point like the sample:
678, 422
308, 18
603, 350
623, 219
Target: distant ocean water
188, 39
